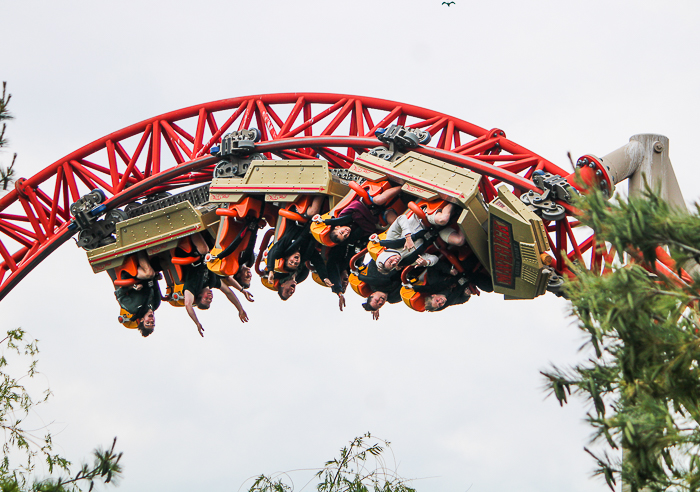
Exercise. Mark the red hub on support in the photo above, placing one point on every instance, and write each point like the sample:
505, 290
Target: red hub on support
172, 150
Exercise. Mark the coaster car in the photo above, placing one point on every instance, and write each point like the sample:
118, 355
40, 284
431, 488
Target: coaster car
155, 227
154, 232
284, 186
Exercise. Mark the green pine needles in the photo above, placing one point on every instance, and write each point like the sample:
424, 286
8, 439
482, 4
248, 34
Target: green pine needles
642, 378
7, 174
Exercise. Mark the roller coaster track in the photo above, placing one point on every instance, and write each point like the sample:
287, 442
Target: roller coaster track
171, 151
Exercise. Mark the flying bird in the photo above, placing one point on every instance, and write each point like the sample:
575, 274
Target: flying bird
447, 3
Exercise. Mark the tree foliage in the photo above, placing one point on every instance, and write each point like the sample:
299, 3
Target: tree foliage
7, 174
642, 378
360, 467
21, 448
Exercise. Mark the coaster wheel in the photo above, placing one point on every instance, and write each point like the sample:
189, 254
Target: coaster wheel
171, 151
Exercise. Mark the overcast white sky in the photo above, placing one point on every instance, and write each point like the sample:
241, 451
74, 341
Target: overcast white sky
458, 392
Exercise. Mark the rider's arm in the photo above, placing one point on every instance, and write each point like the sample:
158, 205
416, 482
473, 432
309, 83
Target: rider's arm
430, 259
234, 300
232, 282
189, 306
145, 270
398, 229
200, 244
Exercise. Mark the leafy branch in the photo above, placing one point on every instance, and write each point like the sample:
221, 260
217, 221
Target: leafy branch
643, 377
15, 406
359, 468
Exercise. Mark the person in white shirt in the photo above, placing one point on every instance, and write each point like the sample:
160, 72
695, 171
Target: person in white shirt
411, 229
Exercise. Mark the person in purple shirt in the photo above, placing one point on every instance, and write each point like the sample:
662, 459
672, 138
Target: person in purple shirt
359, 220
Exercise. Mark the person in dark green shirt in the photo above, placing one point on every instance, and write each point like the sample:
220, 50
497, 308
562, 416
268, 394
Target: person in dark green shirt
141, 301
143, 298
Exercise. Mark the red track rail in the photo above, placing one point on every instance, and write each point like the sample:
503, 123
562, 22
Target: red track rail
172, 150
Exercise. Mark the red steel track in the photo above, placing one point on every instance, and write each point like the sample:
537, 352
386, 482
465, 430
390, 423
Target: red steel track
171, 150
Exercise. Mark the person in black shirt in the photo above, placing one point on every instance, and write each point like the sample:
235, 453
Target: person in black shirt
446, 286
198, 284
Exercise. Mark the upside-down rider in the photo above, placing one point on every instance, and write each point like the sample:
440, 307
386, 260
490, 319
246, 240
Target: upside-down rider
246, 260
385, 287
198, 282
358, 220
143, 298
294, 249
447, 286
336, 269
406, 244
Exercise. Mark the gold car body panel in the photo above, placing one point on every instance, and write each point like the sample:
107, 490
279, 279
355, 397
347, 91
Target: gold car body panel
281, 181
155, 232
517, 242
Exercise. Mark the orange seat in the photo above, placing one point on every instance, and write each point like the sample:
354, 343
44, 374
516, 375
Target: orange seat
125, 274
185, 244
186, 260
374, 248
279, 262
175, 295
428, 208
229, 230
361, 288
125, 319
414, 300
172, 272
318, 280
294, 211
275, 285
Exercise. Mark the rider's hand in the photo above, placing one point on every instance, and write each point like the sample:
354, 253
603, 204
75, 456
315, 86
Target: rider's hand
341, 301
421, 262
327, 282
375, 315
244, 317
248, 296
200, 329
409, 243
